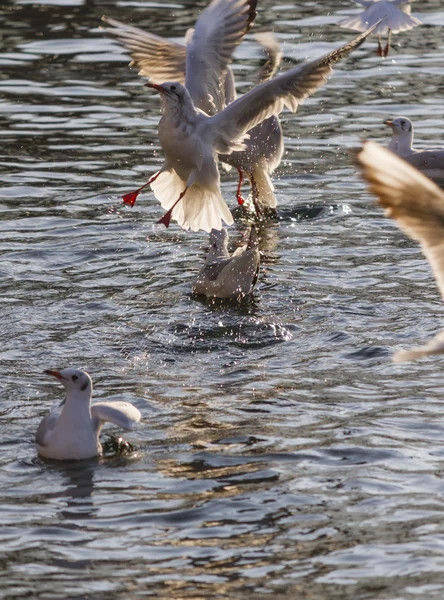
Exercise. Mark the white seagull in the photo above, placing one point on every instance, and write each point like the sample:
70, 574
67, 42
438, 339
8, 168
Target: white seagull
73, 433
418, 206
429, 161
395, 14
225, 276
188, 183
159, 59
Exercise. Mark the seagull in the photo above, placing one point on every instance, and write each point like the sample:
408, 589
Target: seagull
73, 433
188, 183
429, 161
225, 276
157, 57
418, 206
396, 16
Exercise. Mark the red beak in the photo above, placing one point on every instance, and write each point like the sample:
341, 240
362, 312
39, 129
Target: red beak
389, 123
56, 374
156, 87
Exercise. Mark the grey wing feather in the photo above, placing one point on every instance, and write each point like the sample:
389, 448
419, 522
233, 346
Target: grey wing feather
158, 59
269, 98
46, 425
123, 414
212, 271
273, 53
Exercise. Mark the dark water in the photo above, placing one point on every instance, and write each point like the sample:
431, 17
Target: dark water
280, 450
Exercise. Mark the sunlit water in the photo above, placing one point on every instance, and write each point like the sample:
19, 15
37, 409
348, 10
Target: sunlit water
280, 450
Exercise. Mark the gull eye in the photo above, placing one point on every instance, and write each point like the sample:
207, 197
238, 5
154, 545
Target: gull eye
173, 88
402, 122
74, 377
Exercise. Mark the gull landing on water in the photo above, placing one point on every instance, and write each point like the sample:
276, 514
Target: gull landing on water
73, 433
429, 161
418, 206
188, 184
394, 13
225, 276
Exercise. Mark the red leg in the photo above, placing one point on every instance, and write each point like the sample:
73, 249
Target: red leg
167, 216
380, 52
240, 200
387, 47
132, 196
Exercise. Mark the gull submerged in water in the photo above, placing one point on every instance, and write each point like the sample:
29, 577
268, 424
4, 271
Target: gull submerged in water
395, 14
418, 206
159, 59
73, 433
429, 161
188, 183
225, 276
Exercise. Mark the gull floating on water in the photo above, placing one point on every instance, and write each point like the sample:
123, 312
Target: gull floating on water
418, 206
225, 276
160, 59
188, 183
72, 433
395, 15
429, 161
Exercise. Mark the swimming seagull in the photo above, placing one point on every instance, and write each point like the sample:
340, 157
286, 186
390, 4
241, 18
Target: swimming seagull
429, 161
157, 57
73, 433
418, 206
188, 183
396, 16
225, 276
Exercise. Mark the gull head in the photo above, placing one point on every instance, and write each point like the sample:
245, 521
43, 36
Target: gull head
172, 93
75, 381
218, 244
400, 125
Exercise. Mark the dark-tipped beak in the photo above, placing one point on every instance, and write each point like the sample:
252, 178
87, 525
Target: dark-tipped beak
56, 374
158, 88
389, 123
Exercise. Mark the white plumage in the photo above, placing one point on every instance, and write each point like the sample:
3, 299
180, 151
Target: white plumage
418, 206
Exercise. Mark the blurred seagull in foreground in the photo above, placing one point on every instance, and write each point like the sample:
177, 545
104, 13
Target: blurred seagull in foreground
418, 205
225, 276
156, 56
188, 183
429, 161
395, 14
73, 433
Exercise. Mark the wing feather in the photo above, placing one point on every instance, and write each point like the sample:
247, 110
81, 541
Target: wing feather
122, 414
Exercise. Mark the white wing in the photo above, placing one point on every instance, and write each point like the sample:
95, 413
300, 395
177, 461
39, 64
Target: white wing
393, 18
159, 59
45, 427
219, 29
122, 414
270, 97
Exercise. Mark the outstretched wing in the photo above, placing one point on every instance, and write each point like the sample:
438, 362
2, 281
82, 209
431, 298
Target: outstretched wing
270, 98
219, 29
122, 414
157, 58
409, 197
273, 53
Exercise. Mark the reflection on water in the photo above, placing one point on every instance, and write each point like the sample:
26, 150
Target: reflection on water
280, 450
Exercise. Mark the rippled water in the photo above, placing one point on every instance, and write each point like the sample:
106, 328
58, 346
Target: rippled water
280, 450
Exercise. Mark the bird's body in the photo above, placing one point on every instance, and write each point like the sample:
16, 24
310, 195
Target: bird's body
417, 204
71, 430
225, 276
395, 15
429, 161
200, 204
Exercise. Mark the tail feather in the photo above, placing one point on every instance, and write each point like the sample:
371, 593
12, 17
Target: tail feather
198, 209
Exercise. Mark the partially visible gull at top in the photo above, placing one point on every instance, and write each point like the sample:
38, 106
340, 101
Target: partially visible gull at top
71, 430
417, 204
159, 60
429, 161
395, 14
188, 183
225, 276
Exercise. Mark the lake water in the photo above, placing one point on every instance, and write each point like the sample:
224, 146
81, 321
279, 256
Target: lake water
280, 452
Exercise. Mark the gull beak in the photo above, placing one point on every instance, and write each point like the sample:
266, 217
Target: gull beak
158, 88
56, 374
389, 123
